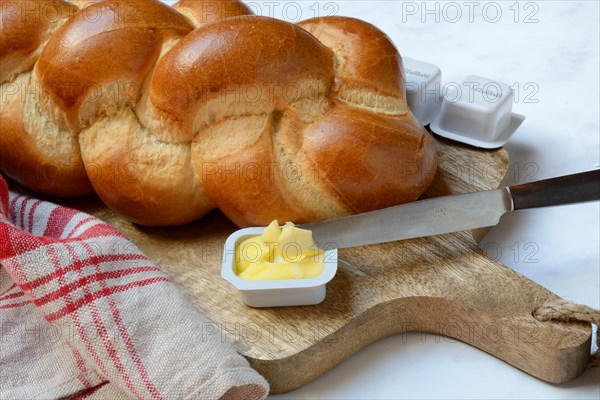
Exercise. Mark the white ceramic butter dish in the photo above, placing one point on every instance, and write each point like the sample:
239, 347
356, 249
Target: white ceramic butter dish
276, 293
478, 112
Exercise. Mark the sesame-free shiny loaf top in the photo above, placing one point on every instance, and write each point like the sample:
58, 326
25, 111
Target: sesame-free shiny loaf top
168, 112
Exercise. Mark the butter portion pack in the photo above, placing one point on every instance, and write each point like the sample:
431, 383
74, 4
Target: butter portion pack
280, 253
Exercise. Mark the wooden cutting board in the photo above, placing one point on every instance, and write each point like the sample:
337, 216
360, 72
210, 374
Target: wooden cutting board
443, 285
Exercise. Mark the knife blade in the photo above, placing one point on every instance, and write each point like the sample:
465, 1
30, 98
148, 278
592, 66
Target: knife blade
452, 213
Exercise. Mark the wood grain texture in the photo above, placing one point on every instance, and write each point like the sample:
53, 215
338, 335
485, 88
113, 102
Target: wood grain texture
443, 285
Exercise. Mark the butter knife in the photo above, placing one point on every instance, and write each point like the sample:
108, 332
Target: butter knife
452, 213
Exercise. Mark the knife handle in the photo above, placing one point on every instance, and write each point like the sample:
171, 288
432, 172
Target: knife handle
568, 189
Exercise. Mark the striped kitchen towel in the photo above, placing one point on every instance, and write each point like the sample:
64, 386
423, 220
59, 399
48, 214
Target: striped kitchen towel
84, 313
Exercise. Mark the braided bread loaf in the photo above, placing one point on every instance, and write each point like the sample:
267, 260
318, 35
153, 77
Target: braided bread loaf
166, 113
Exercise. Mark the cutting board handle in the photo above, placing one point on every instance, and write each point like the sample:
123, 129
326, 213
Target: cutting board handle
569, 189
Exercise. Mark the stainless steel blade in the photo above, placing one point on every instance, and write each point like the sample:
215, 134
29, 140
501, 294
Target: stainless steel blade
422, 218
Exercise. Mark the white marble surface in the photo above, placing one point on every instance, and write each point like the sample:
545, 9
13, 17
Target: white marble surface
554, 62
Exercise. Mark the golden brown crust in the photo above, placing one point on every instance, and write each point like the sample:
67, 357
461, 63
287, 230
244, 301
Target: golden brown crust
22, 160
202, 12
246, 184
366, 59
117, 49
371, 161
152, 183
241, 67
65, 74
26, 26
260, 117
